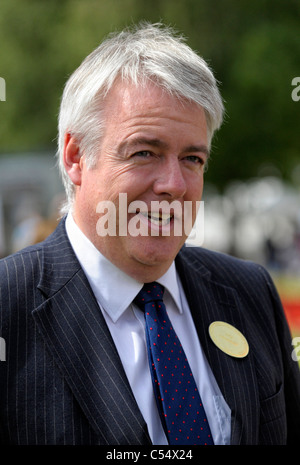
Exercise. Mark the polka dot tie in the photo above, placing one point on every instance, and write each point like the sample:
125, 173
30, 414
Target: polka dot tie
177, 396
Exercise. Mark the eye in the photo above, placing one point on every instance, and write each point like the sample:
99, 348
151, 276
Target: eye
195, 159
142, 154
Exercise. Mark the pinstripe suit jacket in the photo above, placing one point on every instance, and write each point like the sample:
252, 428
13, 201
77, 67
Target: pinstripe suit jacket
63, 381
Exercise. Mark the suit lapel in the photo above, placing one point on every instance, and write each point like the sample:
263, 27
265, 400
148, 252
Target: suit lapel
210, 301
75, 332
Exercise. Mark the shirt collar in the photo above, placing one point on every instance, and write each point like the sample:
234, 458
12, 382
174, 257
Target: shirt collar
103, 275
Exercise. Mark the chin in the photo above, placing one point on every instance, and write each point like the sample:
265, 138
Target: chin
157, 252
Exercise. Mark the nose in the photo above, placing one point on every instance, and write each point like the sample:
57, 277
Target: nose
170, 180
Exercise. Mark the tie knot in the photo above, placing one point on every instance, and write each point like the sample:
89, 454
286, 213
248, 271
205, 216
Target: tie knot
150, 292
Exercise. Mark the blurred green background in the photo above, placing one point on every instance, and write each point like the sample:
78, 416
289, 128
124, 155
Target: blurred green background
252, 206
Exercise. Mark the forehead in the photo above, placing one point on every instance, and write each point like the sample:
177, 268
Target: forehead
127, 101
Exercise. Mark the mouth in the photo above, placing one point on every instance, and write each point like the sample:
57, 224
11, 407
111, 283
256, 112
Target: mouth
158, 218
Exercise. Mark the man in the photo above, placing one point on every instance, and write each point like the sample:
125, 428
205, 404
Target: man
136, 122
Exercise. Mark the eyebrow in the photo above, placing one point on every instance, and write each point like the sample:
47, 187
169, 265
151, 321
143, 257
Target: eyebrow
158, 143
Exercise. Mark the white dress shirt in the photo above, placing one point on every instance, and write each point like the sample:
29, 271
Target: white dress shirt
115, 292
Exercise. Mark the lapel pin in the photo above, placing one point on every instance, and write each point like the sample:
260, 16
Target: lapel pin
229, 339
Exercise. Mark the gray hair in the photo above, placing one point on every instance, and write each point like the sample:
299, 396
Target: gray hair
146, 52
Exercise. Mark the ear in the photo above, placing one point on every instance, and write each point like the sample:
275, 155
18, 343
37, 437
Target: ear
72, 159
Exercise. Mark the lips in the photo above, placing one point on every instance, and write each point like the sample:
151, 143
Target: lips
158, 218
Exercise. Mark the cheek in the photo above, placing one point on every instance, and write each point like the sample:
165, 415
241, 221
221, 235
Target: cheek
194, 187
90, 185
134, 182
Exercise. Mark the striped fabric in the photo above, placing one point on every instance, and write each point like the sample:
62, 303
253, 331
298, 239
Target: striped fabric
63, 381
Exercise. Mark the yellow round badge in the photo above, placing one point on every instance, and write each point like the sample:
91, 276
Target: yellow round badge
229, 339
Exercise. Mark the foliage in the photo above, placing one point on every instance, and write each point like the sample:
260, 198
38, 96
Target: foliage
253, 47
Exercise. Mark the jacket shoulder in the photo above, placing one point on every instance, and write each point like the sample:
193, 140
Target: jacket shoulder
22, 270
12, 264
221, 266
19, 275
32, 253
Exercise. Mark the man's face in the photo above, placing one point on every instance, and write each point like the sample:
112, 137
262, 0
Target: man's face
154, 148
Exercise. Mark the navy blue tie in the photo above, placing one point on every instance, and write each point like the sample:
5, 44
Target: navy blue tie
179, 403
